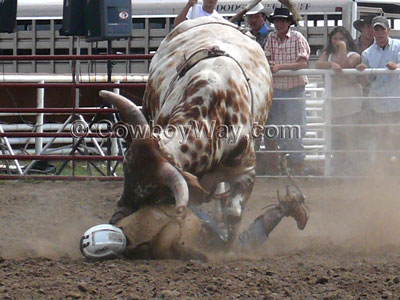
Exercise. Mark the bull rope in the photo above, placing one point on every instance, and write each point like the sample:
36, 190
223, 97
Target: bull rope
199, 55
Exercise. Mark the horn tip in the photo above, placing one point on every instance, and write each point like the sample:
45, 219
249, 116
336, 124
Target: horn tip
105, 93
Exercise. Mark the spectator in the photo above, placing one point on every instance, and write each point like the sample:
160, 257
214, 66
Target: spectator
256, 18
340, 53
365, 40
287, 49
366, 37
383, 53
193, 10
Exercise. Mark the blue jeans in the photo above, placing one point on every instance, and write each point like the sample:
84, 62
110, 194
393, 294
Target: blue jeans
290, 112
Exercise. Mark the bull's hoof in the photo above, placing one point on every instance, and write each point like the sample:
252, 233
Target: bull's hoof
233, 213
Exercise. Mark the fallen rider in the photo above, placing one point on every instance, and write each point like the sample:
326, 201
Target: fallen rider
158, 232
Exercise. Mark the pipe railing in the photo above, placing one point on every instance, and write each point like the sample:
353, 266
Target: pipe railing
74, 81
328, 99
58, 78
54, 110
58, 81
62, 157
74, 85
77, 57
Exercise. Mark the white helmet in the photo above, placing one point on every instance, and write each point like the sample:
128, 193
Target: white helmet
102, 241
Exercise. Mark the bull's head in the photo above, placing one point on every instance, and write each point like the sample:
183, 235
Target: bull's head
146, 170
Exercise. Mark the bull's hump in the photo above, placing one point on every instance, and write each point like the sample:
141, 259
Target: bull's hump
210, 82
209, 99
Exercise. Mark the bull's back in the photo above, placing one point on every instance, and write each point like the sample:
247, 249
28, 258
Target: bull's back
205, 33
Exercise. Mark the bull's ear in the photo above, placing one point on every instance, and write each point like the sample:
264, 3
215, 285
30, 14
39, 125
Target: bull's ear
128, 136
193, 182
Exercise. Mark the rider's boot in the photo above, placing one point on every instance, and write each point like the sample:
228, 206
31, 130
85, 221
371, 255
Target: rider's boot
291, 205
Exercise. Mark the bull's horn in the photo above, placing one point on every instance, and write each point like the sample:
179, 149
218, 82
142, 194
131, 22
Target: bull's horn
130, 113
171, 177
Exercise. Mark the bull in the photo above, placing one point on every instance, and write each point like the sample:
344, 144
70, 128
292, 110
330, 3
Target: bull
211, 82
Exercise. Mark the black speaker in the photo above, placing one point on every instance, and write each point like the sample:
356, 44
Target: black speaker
73, 18
108, 19
8, 15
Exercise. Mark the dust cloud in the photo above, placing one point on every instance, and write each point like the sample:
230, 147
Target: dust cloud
355, 216
48, 219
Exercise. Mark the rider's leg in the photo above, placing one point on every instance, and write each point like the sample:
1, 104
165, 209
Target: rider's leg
291, 205
259, 230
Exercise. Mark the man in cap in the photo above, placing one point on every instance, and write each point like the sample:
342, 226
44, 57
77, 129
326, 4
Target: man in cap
193, 10
365, 28
256, 18
383, 53
287, 49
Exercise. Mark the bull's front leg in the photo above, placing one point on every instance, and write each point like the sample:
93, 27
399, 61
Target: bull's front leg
240, 191
120, 213
126, 205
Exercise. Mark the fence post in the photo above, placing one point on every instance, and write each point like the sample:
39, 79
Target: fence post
328, 128
39, 119
114, 144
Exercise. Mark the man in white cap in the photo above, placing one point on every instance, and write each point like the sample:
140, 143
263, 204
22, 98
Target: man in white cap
194, 10
256, 18
383, 53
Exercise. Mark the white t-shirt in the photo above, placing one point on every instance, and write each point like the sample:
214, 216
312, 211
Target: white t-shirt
198, 11
345, 86
348, 55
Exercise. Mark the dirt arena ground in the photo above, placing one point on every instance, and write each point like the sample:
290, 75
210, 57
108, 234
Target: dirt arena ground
350, 248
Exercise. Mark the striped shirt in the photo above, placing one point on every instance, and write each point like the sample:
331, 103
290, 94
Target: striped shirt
290, 50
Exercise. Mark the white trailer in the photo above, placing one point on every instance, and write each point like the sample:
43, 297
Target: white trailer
39, 22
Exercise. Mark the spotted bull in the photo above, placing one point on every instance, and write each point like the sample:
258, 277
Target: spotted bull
211, 83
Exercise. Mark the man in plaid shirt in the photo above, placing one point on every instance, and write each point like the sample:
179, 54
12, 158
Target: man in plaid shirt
287, 49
